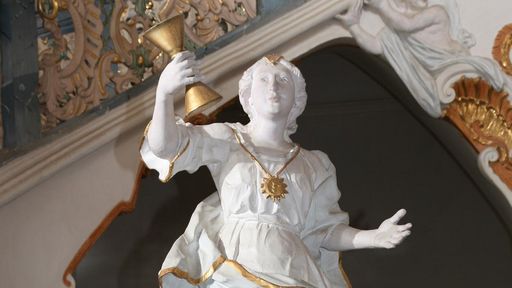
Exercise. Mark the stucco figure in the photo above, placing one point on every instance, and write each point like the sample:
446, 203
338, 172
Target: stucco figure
422, 39
275, 220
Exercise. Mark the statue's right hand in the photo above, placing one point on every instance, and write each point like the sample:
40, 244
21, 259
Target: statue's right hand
181, 71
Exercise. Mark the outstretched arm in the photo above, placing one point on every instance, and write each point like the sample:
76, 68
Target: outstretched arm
351, 21
388, 235
163, 132
404, 22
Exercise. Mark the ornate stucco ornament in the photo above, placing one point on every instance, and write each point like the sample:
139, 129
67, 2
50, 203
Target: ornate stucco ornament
428, 57
484, 116
104, 55
436, 65
503, 48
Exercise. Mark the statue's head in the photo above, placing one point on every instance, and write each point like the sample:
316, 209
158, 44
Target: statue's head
272, 88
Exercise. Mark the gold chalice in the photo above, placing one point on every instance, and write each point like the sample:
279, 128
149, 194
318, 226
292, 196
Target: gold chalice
168, 36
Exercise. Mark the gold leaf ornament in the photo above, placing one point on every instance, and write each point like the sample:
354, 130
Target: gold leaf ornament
273, 187
503, 48
484, 116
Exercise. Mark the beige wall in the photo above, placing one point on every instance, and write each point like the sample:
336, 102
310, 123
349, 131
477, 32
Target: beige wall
43, 229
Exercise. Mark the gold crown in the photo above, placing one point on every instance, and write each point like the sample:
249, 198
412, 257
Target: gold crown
273, 58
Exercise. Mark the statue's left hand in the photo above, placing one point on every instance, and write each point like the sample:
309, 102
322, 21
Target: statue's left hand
389, 234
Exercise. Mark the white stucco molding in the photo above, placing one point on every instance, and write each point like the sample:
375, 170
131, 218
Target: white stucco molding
488, 155
449, 76
223, 67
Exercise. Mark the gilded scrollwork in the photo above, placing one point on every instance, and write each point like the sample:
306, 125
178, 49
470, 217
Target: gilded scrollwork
502, 51
69, 70
104, 54
484, 116
210, 19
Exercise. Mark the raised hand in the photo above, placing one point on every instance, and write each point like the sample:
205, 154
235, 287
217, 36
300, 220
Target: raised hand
181, 71
163, 136
389, 234
353, 14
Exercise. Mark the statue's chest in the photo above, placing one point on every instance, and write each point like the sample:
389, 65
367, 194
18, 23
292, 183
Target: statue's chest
241, 180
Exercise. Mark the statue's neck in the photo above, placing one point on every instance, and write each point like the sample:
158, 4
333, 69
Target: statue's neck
267, 133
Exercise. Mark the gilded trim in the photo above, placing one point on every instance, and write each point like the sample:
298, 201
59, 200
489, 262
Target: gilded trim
239, 268
144, 136
342, 271
272, 186
146, 130
503, 47
52, 12
171, 163
216, 264
121, 207
273, 58
184, 275
253, 278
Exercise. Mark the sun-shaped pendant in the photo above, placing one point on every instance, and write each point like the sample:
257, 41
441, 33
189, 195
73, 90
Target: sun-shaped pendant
273, 187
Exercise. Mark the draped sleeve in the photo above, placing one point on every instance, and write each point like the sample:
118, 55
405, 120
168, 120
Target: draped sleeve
198, 145
323, 216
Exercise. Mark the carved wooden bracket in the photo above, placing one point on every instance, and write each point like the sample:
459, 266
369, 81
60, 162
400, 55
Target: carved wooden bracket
484, 116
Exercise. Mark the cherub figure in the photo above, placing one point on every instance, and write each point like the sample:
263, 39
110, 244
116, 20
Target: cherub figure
275, 220
422, 38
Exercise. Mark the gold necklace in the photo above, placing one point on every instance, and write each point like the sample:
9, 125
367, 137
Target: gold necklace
272, 186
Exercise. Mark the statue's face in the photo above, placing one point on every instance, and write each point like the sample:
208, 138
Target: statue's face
272, 91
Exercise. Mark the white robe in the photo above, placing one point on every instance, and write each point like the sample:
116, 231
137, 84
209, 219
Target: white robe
238, 238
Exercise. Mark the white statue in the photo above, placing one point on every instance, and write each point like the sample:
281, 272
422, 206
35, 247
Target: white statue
275, 219
421, 40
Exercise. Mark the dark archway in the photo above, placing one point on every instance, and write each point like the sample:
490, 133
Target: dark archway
388, 153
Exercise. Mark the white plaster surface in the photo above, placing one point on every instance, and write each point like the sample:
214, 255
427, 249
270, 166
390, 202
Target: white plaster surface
43, 229
485, 19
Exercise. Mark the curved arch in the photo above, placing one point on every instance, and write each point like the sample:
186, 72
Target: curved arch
389, 154
447, 135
